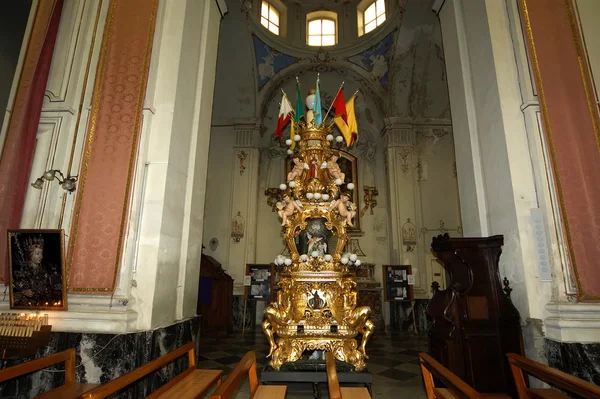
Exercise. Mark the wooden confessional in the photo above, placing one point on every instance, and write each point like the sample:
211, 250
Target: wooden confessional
215, 297
475, 322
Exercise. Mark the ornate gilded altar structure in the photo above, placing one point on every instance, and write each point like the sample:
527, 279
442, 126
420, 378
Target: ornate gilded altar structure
316, 307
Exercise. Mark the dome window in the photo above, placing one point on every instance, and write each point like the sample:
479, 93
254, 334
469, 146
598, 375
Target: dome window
322, 32
371, 16
269, 17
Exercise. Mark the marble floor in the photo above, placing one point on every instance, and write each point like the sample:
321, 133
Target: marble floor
392, 360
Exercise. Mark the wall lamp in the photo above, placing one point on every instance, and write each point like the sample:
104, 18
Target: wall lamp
68, 183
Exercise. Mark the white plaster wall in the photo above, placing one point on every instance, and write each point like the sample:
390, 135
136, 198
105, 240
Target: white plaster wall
218, 194
180, 92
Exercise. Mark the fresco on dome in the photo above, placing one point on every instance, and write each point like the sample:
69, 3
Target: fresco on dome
376, 59
269, 61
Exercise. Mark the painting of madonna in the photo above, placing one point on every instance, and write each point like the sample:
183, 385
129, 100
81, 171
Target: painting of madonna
37, 272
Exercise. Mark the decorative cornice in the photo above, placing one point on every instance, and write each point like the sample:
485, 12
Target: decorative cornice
247, 135
222, 6
573, 322
437, 6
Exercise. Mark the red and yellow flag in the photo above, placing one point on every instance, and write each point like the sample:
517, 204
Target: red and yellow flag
346, 122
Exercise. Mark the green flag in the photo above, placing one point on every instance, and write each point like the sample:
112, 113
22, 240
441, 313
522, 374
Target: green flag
299, 105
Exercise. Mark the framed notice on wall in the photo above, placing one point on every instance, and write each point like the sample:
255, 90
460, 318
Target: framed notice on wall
398, 280
259, 281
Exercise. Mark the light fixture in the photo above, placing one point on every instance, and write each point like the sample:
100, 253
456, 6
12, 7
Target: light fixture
69, 183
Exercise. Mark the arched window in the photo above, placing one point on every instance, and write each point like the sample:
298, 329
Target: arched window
321, 32
372, 16
269, 17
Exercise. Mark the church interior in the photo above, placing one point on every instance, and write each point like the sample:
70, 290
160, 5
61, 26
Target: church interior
300, 198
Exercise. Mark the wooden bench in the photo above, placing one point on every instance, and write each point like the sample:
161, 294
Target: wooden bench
70, 389
192, 383
554, 377
335, 392
455, 387
232, 382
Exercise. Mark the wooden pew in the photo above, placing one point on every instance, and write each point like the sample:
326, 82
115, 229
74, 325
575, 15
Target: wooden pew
335, 392
70, 389
554, 377
248, 365
455, 387
191, 383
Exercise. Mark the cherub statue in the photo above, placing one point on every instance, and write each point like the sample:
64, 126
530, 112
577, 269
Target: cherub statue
334, 169
357, 317
297, 171
345, 208
287, 208
277, 313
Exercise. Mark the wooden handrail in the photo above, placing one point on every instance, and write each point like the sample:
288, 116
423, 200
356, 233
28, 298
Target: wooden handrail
129, 378
447, 377
234, 379
332, 379
67, 356
550, 375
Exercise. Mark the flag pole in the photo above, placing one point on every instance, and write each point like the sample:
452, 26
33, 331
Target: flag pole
331, 105
288, 100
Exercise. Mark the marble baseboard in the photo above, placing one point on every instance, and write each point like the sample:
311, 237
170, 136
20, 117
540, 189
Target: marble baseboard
104, 357
580, 360
401, 317
238, 313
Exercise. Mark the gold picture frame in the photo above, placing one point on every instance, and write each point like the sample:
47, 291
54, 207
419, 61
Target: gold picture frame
37, 270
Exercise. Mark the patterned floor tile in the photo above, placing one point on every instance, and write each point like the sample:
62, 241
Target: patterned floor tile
393, 363
215, 355
209, 364
398, 375
412, 368
228, 359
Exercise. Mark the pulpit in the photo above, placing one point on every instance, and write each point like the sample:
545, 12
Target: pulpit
215, 296
475, 323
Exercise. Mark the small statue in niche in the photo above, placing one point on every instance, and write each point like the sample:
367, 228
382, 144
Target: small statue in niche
345, 208
316, 302
297, 171
314, 166
316, 244
287, 208
334, 169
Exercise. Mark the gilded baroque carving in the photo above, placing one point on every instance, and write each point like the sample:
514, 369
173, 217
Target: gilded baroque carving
404, 154
242, 155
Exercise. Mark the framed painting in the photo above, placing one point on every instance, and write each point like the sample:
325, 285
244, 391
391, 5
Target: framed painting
261, 281
349, 166
398, 282
37, 276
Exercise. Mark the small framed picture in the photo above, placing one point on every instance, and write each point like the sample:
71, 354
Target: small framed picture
261, 280
398, 280
37, 269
